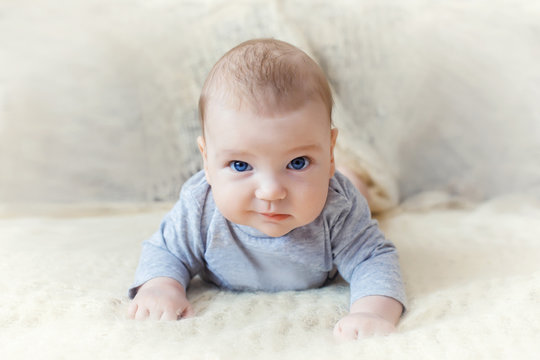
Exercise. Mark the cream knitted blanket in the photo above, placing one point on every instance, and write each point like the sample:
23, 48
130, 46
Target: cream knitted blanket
472, 276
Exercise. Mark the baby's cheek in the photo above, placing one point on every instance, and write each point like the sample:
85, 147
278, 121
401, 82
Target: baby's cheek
311, 203
230, 203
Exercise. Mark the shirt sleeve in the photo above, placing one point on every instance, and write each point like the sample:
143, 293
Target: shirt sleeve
362, 254
176, 249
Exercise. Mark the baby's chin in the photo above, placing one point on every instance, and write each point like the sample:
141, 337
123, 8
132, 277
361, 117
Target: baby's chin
275, 232
278, 230
272, 230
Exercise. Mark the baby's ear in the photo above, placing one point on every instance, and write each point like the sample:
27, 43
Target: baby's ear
202, 149
202, 146
333, 139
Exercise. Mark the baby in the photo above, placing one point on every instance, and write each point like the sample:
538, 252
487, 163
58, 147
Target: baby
269, 212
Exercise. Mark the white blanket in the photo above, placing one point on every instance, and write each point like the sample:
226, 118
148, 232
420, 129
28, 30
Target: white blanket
472, 277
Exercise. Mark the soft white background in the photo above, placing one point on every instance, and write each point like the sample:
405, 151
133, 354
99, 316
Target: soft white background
98, 98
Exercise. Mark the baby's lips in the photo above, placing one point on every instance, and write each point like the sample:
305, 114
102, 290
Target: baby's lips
275, 216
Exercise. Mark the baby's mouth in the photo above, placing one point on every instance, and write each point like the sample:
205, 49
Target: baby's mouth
275, 216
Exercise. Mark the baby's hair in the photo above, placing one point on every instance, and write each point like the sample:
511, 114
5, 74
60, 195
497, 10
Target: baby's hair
266, 76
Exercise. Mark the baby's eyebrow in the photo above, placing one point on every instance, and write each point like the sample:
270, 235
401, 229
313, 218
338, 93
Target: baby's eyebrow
310, 147
234, 153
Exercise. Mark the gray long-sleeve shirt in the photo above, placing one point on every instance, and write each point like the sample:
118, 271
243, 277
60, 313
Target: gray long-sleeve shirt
194, 238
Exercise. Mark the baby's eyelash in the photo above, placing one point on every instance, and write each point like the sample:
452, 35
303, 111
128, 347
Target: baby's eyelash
239, 166
299, 163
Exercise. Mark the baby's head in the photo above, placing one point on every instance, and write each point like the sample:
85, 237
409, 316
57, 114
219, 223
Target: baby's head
267, 141
265, 76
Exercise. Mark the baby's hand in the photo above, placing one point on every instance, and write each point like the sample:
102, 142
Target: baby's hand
362, 324
160, 299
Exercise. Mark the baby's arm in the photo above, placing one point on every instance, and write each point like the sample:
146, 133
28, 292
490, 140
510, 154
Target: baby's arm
161, 298
369, 316
369, 262
168, 261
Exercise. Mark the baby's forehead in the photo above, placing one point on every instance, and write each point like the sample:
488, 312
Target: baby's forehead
256, 111
264, 100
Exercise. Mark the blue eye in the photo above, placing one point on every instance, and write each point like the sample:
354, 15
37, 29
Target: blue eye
298, 163
240, 166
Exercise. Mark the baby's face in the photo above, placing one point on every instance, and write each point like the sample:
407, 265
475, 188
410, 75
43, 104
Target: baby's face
269, 172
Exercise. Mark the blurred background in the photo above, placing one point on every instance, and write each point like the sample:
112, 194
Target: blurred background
98, 99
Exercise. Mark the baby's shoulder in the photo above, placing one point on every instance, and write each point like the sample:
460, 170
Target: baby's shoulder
340, 188
344, 197
196, 181
195, 190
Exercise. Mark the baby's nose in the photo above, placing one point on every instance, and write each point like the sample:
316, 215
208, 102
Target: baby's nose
271, 189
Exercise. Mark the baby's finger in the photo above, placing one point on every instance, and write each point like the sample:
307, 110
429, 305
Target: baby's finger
142, 313
169, 316
132, 310
344, 332
155, 314
186, 313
